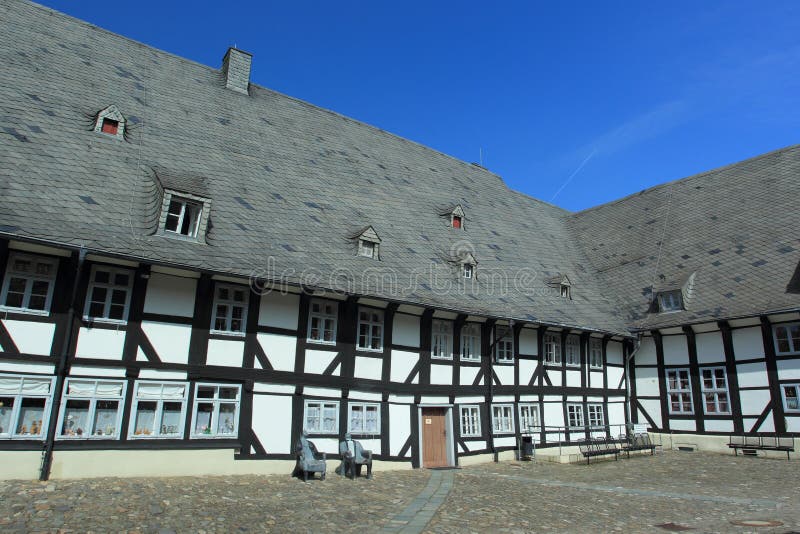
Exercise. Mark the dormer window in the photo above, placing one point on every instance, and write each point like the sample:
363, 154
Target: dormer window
368, 243
455, 216
111, 122
669, 301
456, 221
469, 270
183, 217
561, 283
366, 248
565, 292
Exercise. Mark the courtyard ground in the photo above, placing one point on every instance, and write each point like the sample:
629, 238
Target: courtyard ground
672, 491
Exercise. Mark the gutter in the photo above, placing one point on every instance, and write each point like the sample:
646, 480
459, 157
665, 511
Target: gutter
61, 373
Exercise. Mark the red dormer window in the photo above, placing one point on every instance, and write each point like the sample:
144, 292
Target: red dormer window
110, 126
456, 221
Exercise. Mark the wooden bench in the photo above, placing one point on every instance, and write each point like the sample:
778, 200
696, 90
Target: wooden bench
599, 447
761, 443
638, 442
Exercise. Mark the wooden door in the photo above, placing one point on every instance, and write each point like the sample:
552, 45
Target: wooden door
434, 437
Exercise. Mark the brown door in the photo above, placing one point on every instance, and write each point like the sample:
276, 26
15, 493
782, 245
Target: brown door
434, 437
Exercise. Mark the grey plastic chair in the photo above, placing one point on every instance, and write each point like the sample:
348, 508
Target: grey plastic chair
309, 460
351, 463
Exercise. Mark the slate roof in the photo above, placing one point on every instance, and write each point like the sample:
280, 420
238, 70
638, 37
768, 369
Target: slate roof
735, 228
291, 184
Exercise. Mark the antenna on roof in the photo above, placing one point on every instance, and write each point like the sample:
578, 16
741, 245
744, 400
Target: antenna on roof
480, 155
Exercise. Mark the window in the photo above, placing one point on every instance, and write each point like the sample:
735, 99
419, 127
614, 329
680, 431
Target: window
471, 342
322, 417
366, 248
787, 338
183, 217
714, 387
28, 284
503, 419
442, 338
25, 403
470, 421
91, 409
669, 301
679, 391
528, 417
552, 349
109, 126
469, 270
215, 411
575, 415
595, 413
230, 308
791, 392
364, 418
573, 350
109, 294
158, 410
504, 347
595, 353
456, 221
370, 329
565, 291
322, 321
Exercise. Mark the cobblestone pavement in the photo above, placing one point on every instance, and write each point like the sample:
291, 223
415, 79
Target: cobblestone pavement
704, 492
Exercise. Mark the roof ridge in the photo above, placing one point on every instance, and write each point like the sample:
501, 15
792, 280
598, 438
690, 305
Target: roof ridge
688, 178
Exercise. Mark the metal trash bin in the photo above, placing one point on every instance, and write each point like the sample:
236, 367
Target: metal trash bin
526, 449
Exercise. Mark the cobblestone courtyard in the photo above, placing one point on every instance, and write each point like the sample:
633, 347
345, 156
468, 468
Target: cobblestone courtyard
703, 492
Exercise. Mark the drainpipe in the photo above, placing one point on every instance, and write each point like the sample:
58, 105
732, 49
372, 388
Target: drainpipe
628, 375
61, 373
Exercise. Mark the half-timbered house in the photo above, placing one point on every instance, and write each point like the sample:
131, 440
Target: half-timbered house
194, 269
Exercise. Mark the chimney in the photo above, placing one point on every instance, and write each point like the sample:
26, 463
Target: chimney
236, 70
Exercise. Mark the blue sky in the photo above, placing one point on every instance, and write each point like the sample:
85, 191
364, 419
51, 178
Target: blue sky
574, 103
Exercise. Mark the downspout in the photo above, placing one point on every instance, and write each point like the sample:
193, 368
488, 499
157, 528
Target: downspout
61, 373
628, 375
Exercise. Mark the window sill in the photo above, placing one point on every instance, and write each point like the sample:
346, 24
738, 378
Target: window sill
214, 436
503, 433
227, 333
471, 435
102, 320
319, 342
24, 311
180, 237
473, 360
553, 364
595, 368
446, 358
574, 365
141, 436
87, 438
359, 349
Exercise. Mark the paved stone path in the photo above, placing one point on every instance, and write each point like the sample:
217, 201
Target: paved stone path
418, 514
702, 492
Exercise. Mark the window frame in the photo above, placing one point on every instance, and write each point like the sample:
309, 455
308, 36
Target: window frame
553, 339
575, 409
30, 279
680, 391
216, 400
473, 332
321, 419
715, 391
322, 317
595, 353
593, 411
784, 389
159, 412
573, 341
230, 302
794, 348
364, 246
185, 203
670, 301
565, 291
473, 421
533, 413
506, 415
504, 345
370, 324
468, 271
93, 399
364, 406
456, 222
110, 287
15, 425
441, 339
